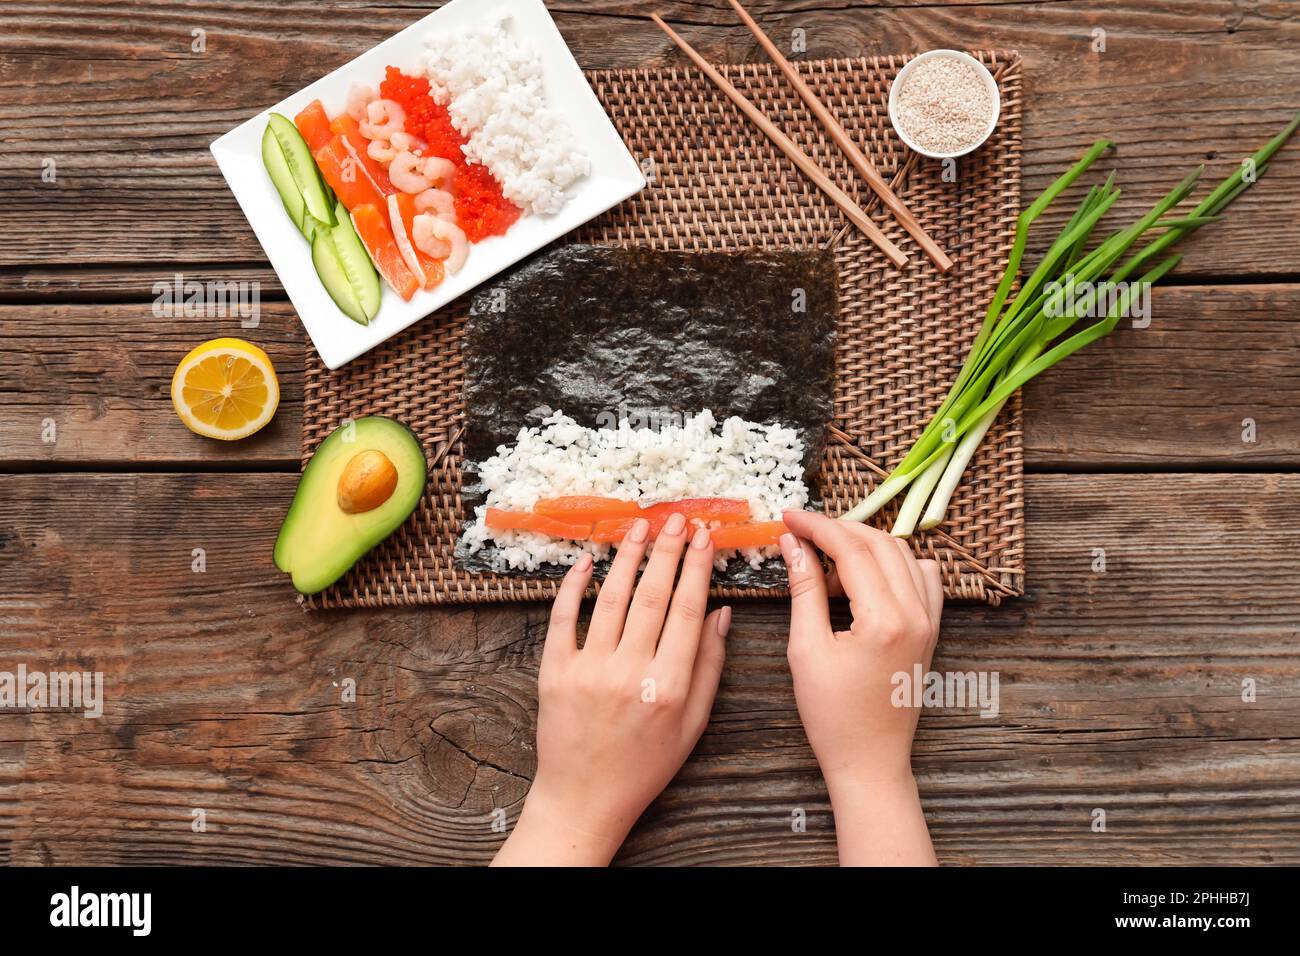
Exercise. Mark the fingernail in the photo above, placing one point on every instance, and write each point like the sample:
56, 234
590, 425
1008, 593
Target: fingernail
701, 539
789, 546
583, 564
640, 528
675, 524
724, 621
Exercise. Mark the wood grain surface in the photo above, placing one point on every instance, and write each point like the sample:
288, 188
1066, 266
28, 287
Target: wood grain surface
1173, 394
127, 109
1120, 690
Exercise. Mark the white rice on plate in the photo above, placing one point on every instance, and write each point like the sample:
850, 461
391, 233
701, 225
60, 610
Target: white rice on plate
492, 87
762, 464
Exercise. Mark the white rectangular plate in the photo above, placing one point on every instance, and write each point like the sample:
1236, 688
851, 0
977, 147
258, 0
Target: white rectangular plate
615, 175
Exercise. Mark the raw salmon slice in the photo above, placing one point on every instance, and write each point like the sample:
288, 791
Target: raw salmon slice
372, 228
614, 530
701, 509
314, 125
709, 511
500, 520
348, 128
760, 534
345, 175
587, 508
401, 214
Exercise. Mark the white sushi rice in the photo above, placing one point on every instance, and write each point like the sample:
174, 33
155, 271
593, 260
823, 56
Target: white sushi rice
492, 87
762, 464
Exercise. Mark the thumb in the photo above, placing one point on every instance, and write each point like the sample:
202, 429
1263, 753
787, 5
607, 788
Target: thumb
809, 611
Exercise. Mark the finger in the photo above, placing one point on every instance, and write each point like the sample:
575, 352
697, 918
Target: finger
645, 618
848, 544
810, 615
708, 671
562, 630
611, 604
893, 565
914, 572
908, 605
681, 634
833, 587
933, 592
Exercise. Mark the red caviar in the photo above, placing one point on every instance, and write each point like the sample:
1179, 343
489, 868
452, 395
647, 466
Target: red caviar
481, 209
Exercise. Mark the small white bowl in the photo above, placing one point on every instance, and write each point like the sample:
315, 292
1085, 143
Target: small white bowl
989, 82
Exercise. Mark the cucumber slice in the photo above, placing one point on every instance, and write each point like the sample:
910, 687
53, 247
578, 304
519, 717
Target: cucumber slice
311, 225
299, 160
345, 269
333, 275
278, 169
356, 261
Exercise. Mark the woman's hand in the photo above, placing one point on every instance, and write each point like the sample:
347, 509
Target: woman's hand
843, 680
618, 717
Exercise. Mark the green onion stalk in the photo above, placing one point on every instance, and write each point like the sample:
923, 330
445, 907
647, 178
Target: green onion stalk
1025, 334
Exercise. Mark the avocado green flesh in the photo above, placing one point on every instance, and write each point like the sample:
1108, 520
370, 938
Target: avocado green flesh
318, 541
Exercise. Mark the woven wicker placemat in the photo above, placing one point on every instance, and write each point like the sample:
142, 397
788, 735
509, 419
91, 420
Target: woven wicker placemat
718, 184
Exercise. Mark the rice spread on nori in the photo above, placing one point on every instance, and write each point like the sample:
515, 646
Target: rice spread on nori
739, 462
604, 334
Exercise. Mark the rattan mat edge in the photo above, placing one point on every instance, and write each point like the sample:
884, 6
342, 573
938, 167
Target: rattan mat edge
717, 184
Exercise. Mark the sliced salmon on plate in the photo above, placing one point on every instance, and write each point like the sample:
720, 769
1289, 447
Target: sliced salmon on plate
314, 125
401, 215
376, 235
342, 171
350, 130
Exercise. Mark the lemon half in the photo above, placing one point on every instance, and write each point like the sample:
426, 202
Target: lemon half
225, 389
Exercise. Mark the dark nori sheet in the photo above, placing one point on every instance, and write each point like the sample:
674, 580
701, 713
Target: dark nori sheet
598, 332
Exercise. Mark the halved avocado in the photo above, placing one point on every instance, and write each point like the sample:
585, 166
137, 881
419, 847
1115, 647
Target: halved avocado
319, 540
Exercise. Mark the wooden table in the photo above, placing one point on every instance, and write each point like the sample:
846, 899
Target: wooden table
1121, 690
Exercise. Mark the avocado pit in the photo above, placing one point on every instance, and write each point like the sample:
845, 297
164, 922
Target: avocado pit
368, 480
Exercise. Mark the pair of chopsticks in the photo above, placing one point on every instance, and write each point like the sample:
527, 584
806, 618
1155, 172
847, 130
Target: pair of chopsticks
801, 159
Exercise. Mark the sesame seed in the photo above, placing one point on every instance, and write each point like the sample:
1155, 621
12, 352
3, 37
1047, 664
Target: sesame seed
943, 105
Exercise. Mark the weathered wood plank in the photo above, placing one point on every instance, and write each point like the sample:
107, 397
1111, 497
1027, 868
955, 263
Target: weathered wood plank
1213, 380
1119, 691
1173, 394
102, 375
123, 283
126, 109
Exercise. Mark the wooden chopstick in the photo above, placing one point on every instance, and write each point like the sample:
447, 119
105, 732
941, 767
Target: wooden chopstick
842, 139
787, 146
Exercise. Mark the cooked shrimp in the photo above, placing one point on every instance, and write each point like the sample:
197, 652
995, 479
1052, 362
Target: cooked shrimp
435, 236
415, 174
406, 172
359, 98
439, 172
438, 202
380, 151
424, 239
405, 141
383, 119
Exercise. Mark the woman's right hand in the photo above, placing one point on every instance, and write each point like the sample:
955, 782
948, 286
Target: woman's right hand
843, 680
